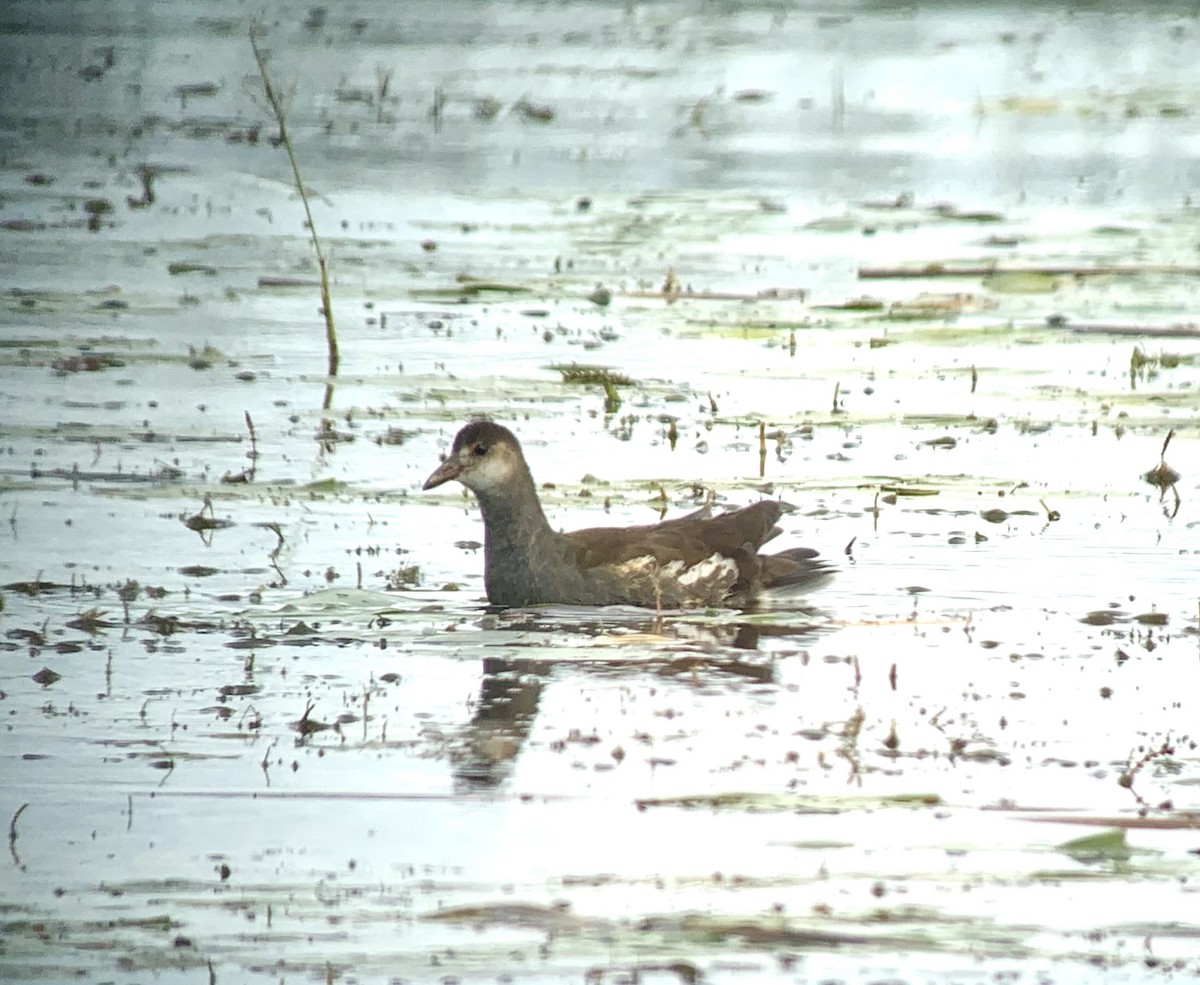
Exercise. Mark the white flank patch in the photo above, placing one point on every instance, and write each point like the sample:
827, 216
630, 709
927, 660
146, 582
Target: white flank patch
716, 570
638, 568
707, 581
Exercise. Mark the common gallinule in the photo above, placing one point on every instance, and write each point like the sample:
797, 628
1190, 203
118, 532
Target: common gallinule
695, 560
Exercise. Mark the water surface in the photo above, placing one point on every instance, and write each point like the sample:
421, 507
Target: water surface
266, 727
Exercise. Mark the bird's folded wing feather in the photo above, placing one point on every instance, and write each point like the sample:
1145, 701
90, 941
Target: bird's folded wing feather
689, 539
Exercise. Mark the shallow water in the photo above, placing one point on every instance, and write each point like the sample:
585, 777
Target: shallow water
292, 743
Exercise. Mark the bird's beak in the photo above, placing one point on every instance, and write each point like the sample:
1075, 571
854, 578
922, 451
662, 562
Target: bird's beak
451, 468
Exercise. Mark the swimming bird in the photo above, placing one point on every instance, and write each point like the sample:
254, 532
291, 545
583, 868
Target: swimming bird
698, 560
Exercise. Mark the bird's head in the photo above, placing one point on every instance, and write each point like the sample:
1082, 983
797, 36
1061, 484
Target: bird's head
486, 457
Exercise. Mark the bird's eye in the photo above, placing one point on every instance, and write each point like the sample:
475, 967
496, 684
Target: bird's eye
480, 449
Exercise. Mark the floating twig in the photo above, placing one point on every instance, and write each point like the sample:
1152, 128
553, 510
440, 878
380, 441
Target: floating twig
672, 293
12, 835
246, 475
1185, 330
969, 269
265, 765
253, 445
274, 555
1136, 766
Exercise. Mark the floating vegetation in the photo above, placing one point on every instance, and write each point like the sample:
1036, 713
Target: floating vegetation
601, 296
863, 302
1021, 282
205, 519
928, 304
181, 267
87, 362
1107, 846
394, 436
946, 210
970, 268
532, 112
1163, 477
487, 108
467, 286
584, 374
612, 399
96, 209
406, 576
1144, 367
268, 282
754, 802
915, 491
196, 90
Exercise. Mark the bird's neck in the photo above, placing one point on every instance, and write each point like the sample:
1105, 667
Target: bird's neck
514, 524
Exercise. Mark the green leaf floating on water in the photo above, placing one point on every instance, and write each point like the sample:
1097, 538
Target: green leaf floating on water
1020, 282
325, 486
1110, 844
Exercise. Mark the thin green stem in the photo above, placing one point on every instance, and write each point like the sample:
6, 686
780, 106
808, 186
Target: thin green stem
280, 118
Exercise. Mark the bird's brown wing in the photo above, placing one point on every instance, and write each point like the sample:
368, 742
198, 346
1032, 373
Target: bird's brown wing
689, 539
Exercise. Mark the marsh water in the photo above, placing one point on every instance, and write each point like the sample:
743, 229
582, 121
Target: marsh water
926, 273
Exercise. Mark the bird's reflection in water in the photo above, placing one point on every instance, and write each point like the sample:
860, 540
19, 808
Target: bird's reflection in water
510, 689
509, 692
